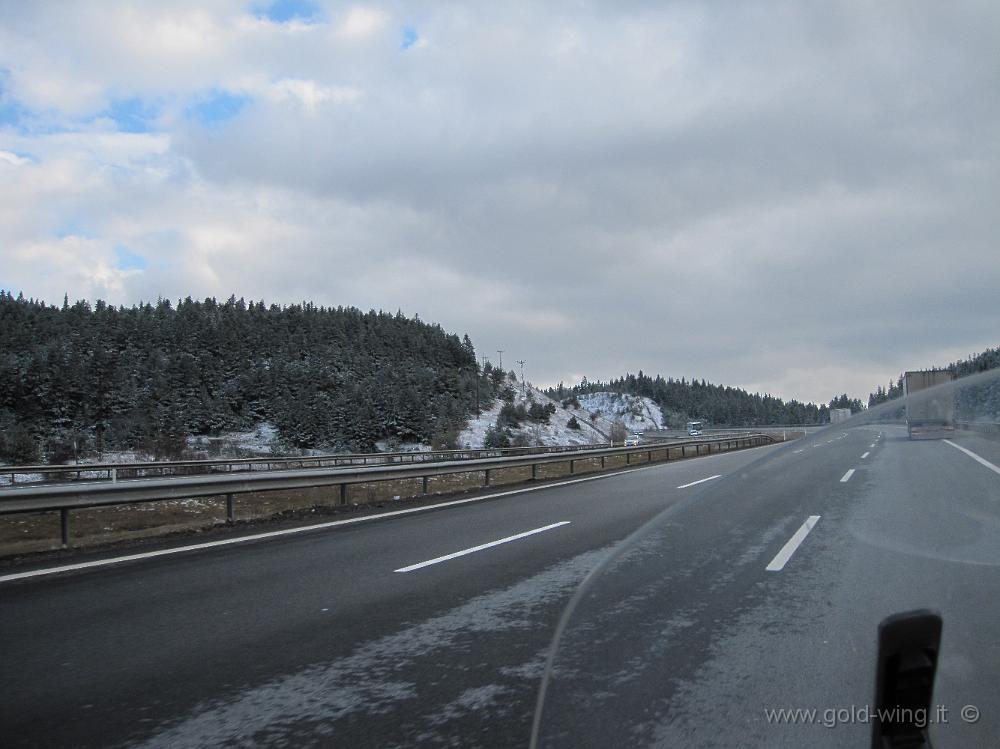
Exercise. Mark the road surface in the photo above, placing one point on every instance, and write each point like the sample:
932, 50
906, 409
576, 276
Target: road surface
748, 616
433, 628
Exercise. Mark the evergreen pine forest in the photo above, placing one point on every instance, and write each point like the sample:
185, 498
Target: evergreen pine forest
82, 378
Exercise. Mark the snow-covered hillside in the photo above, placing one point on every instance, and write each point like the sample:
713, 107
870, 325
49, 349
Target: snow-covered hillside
638, 413
595, 415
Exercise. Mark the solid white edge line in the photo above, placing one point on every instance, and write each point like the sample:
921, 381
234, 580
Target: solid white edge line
865, 455
847, 476
700, 481
983, 461
782, 557
473, 549
319, 526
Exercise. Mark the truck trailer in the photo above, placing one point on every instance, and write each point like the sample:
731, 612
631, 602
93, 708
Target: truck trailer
838, 415
929, 415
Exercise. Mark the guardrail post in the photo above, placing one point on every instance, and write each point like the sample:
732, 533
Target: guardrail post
230, 510
486, 477
572, 466
64, 526
649, 457
343, 494
534, 471
114, 475
603, 465
628, 459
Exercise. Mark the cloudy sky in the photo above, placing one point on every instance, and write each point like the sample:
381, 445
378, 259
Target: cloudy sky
800, 198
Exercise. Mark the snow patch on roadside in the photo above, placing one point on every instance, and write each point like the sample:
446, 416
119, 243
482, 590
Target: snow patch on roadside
262, 440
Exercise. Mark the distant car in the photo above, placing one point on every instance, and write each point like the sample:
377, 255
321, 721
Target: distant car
633, 441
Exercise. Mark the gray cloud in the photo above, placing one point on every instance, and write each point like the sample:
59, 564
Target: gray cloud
798, 199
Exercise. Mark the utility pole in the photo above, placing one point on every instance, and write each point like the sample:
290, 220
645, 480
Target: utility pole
521, 362
479, 411
500, 351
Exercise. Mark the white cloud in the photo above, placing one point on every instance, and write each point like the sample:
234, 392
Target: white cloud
82, 262
13, 159
307, 94
361, 23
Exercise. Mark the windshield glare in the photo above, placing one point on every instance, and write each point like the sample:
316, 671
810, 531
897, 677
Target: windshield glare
697, 632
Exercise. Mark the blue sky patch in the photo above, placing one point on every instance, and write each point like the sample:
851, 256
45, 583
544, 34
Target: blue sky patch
217, 107
72, 226
11, 111
128, 260
410, 37
132, 115
283, 11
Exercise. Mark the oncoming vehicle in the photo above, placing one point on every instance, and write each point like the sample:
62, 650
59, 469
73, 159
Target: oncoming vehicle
694, 429
633, 440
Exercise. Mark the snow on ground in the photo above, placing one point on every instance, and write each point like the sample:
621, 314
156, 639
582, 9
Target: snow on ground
595, 416
638, 413
259, 441
391, 446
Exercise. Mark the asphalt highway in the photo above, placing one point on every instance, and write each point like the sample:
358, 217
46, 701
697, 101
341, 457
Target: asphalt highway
748, 617
314, 638
434, 628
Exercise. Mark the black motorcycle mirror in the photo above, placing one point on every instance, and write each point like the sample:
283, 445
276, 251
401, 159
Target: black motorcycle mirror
904, 682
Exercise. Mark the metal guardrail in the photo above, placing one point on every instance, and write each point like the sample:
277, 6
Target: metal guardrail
116, 471
984, 427
67, 497
159, 469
